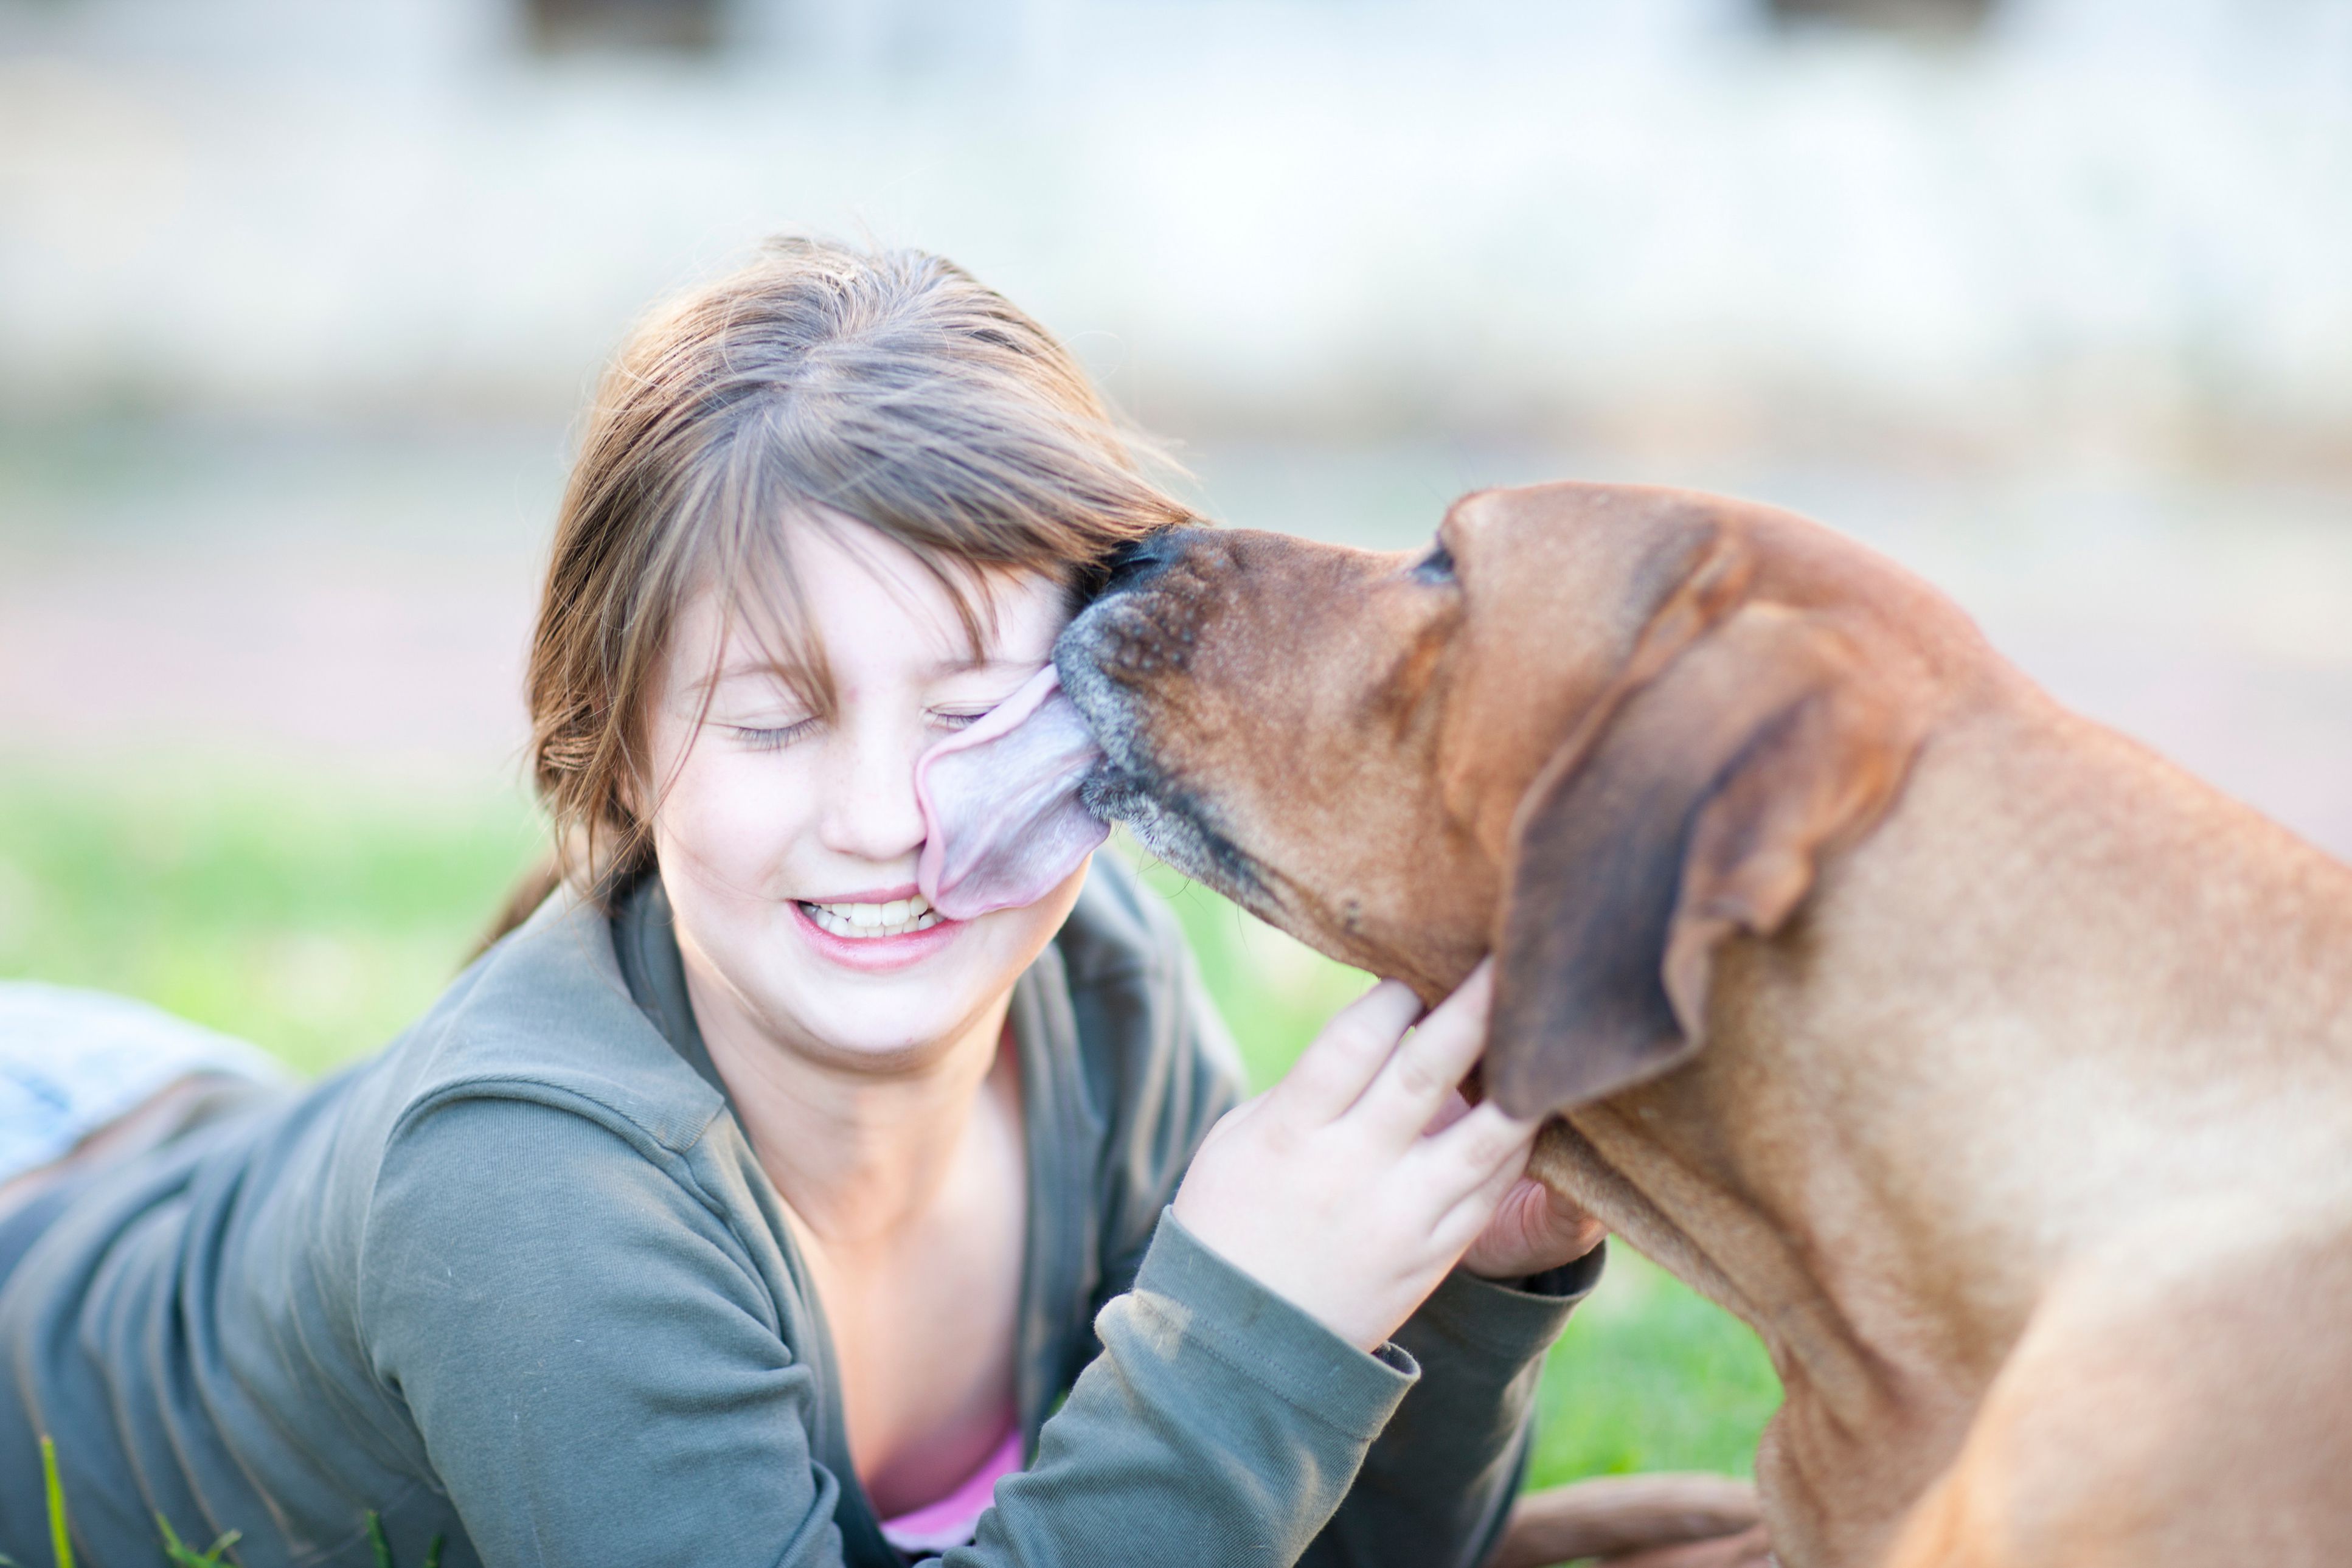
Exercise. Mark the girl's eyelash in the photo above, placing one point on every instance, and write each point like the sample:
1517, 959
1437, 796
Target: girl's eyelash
772, 739
776, 740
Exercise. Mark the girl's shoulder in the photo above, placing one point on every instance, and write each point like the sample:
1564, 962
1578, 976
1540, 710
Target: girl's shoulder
545, 1017
1118, 929
1143, 1020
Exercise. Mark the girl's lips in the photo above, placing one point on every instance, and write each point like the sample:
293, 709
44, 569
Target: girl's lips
870, 895
874, 954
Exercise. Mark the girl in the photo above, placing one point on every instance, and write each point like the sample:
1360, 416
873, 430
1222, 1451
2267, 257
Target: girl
737, 1208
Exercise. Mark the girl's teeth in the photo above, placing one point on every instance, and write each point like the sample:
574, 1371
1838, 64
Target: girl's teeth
896, 918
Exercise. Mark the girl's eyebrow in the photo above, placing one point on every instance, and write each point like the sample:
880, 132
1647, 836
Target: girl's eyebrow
961, 665
718, 678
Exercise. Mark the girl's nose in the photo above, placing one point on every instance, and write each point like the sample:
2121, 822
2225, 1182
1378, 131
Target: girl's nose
871, 812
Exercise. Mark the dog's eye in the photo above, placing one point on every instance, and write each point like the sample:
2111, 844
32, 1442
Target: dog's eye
1437, 566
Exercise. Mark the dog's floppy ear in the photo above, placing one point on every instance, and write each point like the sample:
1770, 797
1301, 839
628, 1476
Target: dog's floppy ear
1699, 808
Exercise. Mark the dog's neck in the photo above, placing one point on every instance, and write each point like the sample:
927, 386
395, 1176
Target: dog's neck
1986, 1050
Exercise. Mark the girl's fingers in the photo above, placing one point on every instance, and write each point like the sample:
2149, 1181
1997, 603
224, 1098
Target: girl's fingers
1470, 1216
1430, 1065
1481, 1146
1450, 1109
1349, 1054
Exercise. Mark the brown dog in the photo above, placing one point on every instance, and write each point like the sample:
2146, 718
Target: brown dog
1996, 1072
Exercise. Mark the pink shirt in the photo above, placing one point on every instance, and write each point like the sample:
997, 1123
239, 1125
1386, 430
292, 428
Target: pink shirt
950, 1521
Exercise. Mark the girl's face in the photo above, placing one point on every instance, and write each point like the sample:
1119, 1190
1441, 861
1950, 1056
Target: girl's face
788, 839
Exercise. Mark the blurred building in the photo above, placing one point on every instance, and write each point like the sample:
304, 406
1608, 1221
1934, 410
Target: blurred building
2109, 225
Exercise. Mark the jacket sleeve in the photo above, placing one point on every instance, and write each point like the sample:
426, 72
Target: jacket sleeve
1435, 1487
1220, 1424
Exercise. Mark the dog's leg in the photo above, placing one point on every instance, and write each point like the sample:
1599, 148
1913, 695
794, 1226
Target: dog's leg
2160, 1413
1748, 1549
1617, 1516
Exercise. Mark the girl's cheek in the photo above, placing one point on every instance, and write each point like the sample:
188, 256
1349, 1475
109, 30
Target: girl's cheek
734, 816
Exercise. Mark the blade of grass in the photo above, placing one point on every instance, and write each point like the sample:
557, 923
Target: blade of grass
61, 1538
376, 1540
181, 1555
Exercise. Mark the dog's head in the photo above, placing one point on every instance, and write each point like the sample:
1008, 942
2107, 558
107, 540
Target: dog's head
1595, 729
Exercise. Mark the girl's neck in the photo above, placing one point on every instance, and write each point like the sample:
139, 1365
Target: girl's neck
859, 1152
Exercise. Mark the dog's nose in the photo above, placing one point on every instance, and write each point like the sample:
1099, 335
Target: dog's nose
1139, 558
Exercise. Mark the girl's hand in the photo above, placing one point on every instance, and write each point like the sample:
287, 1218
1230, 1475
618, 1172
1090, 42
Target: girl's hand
1534, 1229
1349, 1188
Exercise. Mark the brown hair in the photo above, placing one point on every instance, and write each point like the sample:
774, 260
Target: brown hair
887, 385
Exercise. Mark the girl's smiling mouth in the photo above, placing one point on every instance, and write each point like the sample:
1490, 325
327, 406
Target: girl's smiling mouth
882, 929
864, 919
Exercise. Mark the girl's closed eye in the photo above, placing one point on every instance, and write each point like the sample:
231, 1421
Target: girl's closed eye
959, 718
974, 693
773, 738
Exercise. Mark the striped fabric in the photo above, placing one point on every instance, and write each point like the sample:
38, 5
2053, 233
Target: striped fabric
71, 1061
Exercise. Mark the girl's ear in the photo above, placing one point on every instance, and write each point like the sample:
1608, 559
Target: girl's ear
629, 789
1702, 810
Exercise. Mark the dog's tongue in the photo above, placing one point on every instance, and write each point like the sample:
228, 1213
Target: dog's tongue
1002, 822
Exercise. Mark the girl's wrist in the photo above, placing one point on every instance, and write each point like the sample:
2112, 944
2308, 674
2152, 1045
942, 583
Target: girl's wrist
1524, 1278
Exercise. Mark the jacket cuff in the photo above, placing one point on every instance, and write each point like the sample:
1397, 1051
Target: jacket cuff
1514, 1320
1188, 1292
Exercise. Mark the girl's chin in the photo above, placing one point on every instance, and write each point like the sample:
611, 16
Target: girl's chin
883, 1029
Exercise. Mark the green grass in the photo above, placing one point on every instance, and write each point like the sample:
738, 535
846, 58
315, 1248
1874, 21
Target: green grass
318, 920
1649, 1377
178, 1553
61, 1552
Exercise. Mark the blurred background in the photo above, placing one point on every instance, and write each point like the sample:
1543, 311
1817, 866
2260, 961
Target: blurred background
2050, 299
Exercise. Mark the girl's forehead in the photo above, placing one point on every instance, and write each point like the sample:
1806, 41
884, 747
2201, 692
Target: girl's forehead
866, 595
856, 600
